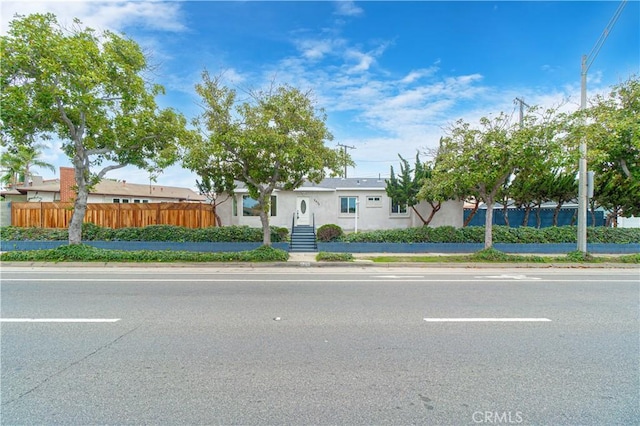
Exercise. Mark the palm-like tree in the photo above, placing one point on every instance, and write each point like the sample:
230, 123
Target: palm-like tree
18, 163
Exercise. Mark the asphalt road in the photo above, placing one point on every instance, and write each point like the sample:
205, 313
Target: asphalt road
306, 346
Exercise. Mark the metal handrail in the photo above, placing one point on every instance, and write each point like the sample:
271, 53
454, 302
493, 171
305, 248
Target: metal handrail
315, 238
293, 222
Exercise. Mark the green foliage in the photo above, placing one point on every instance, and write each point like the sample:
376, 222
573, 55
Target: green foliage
91, 232
271, 140
89, 89
423, 234
613, 134
279, 234
501, 234
324, 256
578, 256
630, 258
86, 253
490, 255
329, 232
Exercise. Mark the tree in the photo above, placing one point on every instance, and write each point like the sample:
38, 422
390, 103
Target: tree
273, 140
216, 192
613, 136
89, 90
404, 189
483, 158
18, 161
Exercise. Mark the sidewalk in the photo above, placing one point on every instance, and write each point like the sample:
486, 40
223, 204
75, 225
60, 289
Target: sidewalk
362, 259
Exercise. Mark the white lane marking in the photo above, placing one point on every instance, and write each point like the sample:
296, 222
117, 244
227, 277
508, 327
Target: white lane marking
509, 277
55, 320
487, 319
399, 276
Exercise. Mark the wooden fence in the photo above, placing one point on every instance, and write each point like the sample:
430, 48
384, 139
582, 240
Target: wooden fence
117, 215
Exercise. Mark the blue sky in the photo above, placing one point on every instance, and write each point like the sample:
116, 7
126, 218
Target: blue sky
391, 76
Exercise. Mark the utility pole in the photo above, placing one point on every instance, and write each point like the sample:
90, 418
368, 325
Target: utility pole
587, 60
522, 105
344, 150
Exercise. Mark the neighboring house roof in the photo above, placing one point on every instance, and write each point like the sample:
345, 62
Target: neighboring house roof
123, 189
126, 189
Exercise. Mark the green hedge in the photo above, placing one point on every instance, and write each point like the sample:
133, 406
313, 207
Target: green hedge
444, 234
501, 234
91, 232
85, 253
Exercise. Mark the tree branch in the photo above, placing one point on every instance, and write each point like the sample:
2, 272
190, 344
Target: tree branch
108, 169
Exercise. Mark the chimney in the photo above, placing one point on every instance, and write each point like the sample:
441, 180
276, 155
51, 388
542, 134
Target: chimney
124, 183
67, 183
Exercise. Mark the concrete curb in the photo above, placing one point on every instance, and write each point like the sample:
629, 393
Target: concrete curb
314, 264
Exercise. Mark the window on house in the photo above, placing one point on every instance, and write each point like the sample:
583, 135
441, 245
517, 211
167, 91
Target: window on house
125, 200
116, 200
397, 208
145, 201
348, 205
136, 201
374, 201
250, 206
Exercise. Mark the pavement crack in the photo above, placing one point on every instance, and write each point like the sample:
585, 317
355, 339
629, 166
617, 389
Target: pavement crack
73, 364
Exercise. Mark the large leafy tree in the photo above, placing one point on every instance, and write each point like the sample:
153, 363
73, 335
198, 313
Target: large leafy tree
274, 139
483, 158
613, 136
89, 89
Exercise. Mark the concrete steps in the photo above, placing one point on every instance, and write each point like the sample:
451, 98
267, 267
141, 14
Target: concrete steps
303, 239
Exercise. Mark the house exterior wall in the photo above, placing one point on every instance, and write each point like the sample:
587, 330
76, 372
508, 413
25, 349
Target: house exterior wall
47, 197
374, 210
41, 196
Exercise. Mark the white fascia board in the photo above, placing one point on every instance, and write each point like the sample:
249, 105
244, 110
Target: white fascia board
313, 189
360, 189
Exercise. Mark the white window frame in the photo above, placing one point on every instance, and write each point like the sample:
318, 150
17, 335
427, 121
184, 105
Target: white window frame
349, 206
374, 201
393, 213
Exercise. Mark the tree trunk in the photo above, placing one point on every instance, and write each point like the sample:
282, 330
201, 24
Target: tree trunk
472, 214
79, 206
538, 218
424, 222
556, 212
266, 231
434, 209
488, 225
525, 219
505, 213
81, 173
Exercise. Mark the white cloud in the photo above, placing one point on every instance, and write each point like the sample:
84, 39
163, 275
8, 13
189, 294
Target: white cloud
347, 8
416, 75
111, 15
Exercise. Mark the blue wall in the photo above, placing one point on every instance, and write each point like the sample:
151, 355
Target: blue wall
567, 216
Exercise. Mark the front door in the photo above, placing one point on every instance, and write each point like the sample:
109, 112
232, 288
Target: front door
302, 211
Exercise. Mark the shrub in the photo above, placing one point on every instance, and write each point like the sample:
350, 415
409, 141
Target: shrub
443, 234
490, 255
86, 253
279, 234
334, 257
329, 232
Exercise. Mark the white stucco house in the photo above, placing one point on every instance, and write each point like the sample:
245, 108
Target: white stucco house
351, 203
